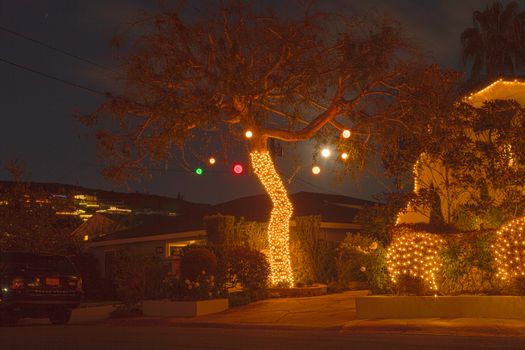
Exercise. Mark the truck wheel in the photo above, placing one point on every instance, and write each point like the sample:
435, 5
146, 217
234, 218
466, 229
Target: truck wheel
60, 316
8, 317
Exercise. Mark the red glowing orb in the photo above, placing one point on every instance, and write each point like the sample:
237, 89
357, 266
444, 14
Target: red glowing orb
238, 169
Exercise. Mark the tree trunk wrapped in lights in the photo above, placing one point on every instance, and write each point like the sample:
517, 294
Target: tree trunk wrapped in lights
279, 225
195, 82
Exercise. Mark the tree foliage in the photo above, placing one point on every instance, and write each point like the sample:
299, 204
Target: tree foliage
194, 82
28, 220
471, 156
496, 43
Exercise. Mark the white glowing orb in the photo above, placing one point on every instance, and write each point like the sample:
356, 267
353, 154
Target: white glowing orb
346, 133
325, 153
344, 155
248, 134
316, 170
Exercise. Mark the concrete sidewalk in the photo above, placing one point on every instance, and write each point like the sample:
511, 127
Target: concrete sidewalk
330, 311
334, 312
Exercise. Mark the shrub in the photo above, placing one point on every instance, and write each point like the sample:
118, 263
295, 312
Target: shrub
377, 220
195, 260
218, 228
246, 266
313, 259
130, 278
415, 254
224, 230
518, 285
202, 287
197, 281
361, 258
410, 285
468, 264
239, 298
509, 250
156, 272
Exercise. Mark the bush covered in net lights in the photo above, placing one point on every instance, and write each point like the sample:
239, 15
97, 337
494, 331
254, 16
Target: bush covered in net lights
509, 250
414, 256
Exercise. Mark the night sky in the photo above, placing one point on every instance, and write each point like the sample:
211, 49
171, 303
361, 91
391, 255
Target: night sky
37, 113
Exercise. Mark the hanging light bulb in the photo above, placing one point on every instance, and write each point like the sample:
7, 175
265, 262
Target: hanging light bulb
211, 161
316, 170
248, 134
346, 133
238, 169
344, 155
325, 152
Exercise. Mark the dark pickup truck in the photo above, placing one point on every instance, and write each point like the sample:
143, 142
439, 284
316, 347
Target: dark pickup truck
37, 286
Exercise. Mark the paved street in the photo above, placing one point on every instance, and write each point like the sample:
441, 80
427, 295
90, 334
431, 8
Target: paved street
325, 322
45, 337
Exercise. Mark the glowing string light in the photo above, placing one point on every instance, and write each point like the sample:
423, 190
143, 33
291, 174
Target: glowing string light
248, 134
344, 155
509, 250
414, 254
346, 133
316, 170
278, 227
325, 153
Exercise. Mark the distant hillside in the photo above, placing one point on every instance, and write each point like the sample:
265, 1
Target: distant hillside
133, 201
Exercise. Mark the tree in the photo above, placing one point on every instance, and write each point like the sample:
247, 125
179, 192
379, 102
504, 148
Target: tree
28, 220
472, 160
194, 82
496, 43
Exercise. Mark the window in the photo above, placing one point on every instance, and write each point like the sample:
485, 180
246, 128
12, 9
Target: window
175, 248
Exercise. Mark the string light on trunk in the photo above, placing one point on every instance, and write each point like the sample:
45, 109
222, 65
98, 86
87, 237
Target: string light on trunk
279, 225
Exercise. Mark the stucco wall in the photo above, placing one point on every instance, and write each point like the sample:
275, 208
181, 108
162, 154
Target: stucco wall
474, 306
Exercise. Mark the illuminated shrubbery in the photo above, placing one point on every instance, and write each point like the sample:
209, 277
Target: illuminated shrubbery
413, 256
197, 279
509, 251
468, 264
195, 260
362, 258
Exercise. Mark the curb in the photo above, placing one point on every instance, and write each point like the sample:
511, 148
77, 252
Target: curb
255, 326
192, 324
488, 330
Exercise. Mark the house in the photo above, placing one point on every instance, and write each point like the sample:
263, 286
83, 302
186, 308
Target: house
99, 225
337, 212
431, 173
165, 236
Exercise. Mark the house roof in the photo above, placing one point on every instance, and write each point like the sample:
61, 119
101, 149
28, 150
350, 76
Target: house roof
158, 225
502, 89
332, 208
